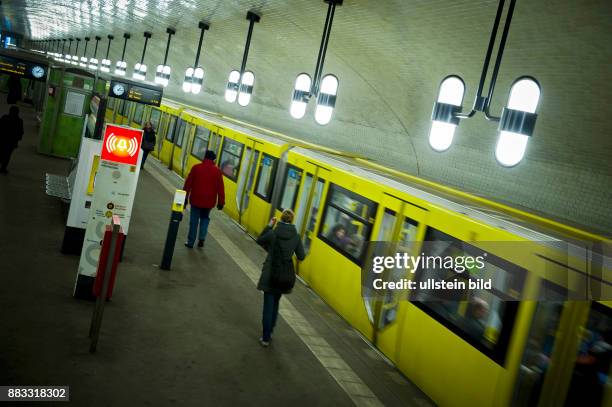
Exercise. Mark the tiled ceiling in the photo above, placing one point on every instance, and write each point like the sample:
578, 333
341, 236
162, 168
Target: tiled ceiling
390, 57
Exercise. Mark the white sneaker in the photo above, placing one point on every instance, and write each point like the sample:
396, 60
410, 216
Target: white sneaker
263, 343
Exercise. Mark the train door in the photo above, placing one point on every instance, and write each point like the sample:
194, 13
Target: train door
307, 205
400, 229
246, 178
566, 360
168, 140
180, 147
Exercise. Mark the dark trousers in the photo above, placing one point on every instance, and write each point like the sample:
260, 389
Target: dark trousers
198, 216
5, 157
270, 313
145, 154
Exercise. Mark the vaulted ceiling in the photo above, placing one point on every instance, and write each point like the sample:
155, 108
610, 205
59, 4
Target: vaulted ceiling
390, 57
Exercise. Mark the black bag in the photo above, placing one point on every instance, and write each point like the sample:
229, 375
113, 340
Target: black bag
282, 277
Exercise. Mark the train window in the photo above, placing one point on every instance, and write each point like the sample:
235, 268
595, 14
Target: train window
265, 178
125, 108
230, 158
590, 379
154, 118
293, 177
183, 130
170, 133
138, 112
482, 317
348, 219
386, 244
215, 143
539, 345
110, 104
200, 142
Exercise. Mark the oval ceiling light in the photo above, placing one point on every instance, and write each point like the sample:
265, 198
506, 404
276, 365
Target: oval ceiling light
444, 122
246, 88
299, 98
121, 65
231, 92
162, 72
517, 121
326, 101
194, 76
240, 83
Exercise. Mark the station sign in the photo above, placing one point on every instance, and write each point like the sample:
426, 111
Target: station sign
23, 68
121, 144
136, 92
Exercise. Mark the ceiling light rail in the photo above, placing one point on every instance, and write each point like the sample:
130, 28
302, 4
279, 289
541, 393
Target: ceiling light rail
105, 65
140, 69
194, 76
121, 65
517, 120
162, 72
240, 83
93, 61
326, 89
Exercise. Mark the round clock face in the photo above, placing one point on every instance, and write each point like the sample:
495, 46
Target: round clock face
118, 89
38, 72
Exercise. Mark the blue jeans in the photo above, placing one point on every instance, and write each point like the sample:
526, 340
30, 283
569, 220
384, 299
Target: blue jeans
270, 313
198, 216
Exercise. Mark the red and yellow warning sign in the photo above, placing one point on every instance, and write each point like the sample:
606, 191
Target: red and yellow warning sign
121, 144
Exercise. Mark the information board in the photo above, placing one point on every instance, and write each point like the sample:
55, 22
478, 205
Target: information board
136, 92
27, 69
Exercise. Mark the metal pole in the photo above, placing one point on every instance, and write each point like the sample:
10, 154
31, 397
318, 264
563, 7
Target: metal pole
314, 82
110, 39
203, 27
329, 26
96, 320
500, 53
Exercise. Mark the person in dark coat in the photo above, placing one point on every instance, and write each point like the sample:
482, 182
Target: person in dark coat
14, 90
148, 142
277, 275
11, 131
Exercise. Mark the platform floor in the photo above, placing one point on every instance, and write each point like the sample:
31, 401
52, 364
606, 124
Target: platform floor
185, 337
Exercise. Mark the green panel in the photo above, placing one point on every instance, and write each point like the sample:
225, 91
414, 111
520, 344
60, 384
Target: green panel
66, 138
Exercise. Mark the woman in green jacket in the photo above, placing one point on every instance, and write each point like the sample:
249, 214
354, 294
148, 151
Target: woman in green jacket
277, 275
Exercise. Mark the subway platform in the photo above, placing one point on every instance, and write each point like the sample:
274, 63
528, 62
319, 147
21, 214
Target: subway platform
184, 337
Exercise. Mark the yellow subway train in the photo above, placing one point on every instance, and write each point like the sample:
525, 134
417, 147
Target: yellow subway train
522, 352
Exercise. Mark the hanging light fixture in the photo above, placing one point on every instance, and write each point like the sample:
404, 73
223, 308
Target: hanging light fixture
140, 69
121, 65
93, 61
240, 83
105, 66
68, 56
194, 76
162, 72
75, 57
325, 89
518, 118
83, 62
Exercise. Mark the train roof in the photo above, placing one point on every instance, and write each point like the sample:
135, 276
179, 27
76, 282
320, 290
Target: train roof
222, 122
456, 203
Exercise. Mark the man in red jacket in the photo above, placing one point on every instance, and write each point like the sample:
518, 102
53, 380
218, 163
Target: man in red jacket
204, 187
